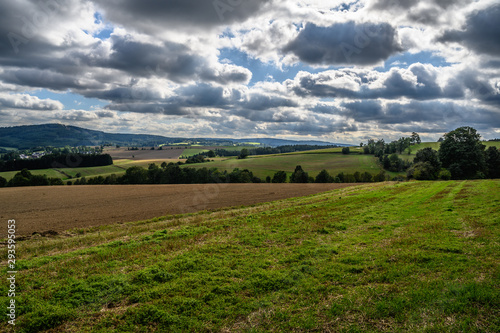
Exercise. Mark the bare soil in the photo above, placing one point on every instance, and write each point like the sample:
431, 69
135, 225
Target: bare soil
60, 208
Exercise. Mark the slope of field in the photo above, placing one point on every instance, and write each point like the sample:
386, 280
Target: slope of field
148, 154
39, 209
267, 165
407, 257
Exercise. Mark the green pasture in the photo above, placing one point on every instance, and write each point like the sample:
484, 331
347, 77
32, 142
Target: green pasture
385, 257
267, 165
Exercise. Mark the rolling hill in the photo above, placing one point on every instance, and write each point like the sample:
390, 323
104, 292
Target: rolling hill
57, 135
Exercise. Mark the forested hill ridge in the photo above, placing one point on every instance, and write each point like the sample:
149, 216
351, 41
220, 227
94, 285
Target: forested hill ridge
57, 135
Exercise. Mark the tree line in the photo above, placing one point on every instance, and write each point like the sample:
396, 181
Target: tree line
266, 150
58, 160
172, 173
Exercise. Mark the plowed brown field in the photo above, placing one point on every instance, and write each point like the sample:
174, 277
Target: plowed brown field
59, 208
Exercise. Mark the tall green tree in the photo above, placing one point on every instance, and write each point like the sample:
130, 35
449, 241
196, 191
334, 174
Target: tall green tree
433, 167
462, 153
279, 177
243, 154
415, 138
299, 176
492, 162
324, 177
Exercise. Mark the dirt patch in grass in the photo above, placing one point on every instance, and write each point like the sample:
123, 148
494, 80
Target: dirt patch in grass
59, 208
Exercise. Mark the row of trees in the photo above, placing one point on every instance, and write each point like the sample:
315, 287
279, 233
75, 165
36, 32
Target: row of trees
300, 176
26, 178
264, 150
461, 155
58, 160
380, 148
172, 173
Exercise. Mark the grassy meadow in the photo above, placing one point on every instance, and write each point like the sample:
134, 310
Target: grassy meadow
313, 163
384, 257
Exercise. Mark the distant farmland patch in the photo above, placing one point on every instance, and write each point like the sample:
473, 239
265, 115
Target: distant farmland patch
165, 153
312, 163
61, 208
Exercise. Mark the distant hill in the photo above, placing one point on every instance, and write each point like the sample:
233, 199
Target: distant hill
57, 135
280, 142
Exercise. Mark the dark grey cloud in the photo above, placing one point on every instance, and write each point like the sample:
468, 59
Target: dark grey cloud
152, 16
363, 110
407, 4
429, 14
481, 32
151, 107
192, 100
414, 111
264, 102
436, 114
325, 109
105, 114
174, 61
188, 100
315, 127
345, 43
48, 79
270, 116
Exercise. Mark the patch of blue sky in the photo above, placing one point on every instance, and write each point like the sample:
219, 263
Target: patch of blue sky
264, 71
405, 60
71, 100
107, 31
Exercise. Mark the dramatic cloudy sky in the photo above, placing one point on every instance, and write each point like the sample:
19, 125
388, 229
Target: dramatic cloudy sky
333, 70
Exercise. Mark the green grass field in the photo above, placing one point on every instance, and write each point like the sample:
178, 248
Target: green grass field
385, 257
49, 172
267, 165
193, 151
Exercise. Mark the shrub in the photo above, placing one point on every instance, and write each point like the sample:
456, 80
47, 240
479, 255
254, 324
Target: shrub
279, 177
346, 150
444, 174
324, 177
299, 176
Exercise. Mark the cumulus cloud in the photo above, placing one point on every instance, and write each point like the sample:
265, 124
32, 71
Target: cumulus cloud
481, 32
25, 101
152, 16
418, 82
345, 43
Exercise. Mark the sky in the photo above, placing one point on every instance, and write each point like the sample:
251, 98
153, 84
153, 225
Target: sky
338, 71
